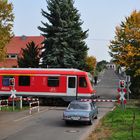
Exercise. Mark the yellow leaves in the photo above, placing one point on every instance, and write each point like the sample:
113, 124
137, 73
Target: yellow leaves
125, 48
137, 72
6, 19
91, 62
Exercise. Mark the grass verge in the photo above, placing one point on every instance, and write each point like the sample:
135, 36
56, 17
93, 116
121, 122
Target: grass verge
16, 109
119, 124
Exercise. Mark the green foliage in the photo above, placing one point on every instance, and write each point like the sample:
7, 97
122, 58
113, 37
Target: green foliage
30, 56
64, 44
17, 109
6, 19
101, 65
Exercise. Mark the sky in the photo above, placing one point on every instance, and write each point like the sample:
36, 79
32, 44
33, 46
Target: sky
100, 17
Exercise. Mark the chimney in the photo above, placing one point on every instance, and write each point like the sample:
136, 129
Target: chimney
23, 37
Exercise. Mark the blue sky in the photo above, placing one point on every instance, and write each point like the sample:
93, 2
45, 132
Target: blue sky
99, 16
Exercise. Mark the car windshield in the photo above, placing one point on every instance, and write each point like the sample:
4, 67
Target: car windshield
79, 106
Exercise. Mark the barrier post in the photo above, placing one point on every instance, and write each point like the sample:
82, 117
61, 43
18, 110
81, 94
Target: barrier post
30, 109
34, 107
0, 105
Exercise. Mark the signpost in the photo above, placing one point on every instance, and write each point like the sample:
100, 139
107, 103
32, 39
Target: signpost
13, 96
122, 91
128, 83
13, 91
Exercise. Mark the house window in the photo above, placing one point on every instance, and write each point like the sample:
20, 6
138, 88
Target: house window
82, 82
12, 56
53, 81
24, 81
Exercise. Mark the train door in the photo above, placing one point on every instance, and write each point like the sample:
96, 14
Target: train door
71, 85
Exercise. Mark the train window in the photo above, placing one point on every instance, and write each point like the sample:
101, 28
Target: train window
53, 81
82, 82
71, 82
24, 81
5, 80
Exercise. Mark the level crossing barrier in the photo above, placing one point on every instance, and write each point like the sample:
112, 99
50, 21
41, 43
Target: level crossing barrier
99, 100
23, 99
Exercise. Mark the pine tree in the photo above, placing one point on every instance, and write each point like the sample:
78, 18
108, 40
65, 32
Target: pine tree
30, 56
64, 44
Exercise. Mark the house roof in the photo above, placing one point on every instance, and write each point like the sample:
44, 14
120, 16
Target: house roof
18, 42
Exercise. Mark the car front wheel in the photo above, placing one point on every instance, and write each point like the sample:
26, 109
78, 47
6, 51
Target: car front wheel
91, 121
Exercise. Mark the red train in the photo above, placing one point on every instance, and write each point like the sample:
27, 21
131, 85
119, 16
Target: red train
66, 84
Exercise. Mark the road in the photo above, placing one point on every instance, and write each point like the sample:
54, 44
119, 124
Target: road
48, 123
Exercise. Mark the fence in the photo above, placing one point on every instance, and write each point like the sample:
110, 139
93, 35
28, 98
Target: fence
33, 105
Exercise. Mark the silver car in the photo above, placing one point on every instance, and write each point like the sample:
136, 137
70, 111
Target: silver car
80, 111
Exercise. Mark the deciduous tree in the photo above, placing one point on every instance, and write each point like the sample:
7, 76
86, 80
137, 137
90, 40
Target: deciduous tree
6, 24
91, 64
125, 48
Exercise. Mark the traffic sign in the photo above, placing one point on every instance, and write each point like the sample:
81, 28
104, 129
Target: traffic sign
13, 93
122, 96
122, 84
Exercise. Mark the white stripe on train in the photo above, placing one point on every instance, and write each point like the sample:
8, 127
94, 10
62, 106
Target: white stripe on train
45, 94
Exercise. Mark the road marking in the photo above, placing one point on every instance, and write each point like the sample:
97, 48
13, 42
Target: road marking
26, 117
22, 118
41, 111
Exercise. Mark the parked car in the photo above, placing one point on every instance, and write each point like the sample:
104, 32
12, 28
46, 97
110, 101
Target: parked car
82, 111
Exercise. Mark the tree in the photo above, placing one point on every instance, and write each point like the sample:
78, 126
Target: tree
125, 48
91, 64
64, 44
6, 24
101, 65
30, 56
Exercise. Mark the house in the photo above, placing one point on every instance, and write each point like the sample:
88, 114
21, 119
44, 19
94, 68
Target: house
14, 49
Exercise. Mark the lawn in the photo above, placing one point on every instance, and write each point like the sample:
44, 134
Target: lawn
10, 108
120, 124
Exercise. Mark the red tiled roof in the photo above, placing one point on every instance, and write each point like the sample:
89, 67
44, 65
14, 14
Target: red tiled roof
18, 42
15, 45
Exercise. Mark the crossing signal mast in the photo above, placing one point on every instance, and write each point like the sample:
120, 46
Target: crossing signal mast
13, 91
122, 91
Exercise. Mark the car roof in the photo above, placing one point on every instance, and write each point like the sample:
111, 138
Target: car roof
80, 101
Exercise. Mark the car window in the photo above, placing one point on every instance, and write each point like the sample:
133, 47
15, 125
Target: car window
80, 106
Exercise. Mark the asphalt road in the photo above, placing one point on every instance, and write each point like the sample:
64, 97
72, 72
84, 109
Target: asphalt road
48, 123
